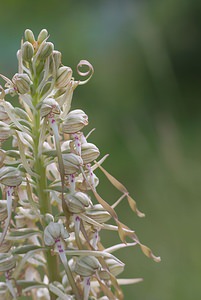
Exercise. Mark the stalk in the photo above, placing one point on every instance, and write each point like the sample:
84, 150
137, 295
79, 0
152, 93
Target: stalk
41, 187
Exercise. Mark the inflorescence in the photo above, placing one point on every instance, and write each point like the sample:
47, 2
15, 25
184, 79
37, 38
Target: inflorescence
50, 210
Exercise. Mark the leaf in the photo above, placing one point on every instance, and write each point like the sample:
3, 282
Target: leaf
17, 234
23, 157
54, 289
27, 248
29, 285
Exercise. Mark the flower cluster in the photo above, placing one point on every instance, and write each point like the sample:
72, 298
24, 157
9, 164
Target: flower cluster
50, 210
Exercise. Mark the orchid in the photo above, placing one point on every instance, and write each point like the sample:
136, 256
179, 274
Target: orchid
51, 210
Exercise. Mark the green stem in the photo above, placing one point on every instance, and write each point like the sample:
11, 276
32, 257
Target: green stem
41, 187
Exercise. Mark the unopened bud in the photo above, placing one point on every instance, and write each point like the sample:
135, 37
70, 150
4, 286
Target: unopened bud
10, 176
29, 36
54, 231
27, 51
3, 210
5, 246
45, 50
42, 36
3, 114
48, 218
114, 267
4, 292
64, 75
72, 163
98, 213
22, 83
5, 131
89, 152
75, 121
49, 105
2, 157
77, 202
86, 266
7, 262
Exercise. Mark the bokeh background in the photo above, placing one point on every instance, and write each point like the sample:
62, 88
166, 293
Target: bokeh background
144, 101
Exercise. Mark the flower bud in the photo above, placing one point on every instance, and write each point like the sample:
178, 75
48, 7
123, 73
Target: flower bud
114, 267
55, 61
7, 262
22, 83
5, 246
49, 105
77, 202
86, 266
2, 157
89, 152
64, 75
54, 231
45, 50
3, 114
42, 36
3, 210
27, 51
98, 213
10, 176
72, 163
4, 292
29, 36
75, 121
5, 131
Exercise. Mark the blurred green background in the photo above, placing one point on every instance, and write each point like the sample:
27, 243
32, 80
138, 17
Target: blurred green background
144, 100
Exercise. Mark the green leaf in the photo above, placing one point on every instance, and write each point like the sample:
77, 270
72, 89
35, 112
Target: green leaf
27, 248
28, 285
22, 233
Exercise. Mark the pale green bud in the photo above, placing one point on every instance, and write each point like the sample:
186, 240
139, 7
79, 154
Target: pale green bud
2, 157
5, 131
53, 231
75, 121
45, 50
72, 163
98, 213
48, 218
89, 152
10, 176
27, 51
42, 36
3, 114
55, 61
64, 75
5, 246
7, 262
4, 292
21, 221
114, 267
77, 202
86, 266
29, 36
3, 210
22, 83
49, 105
